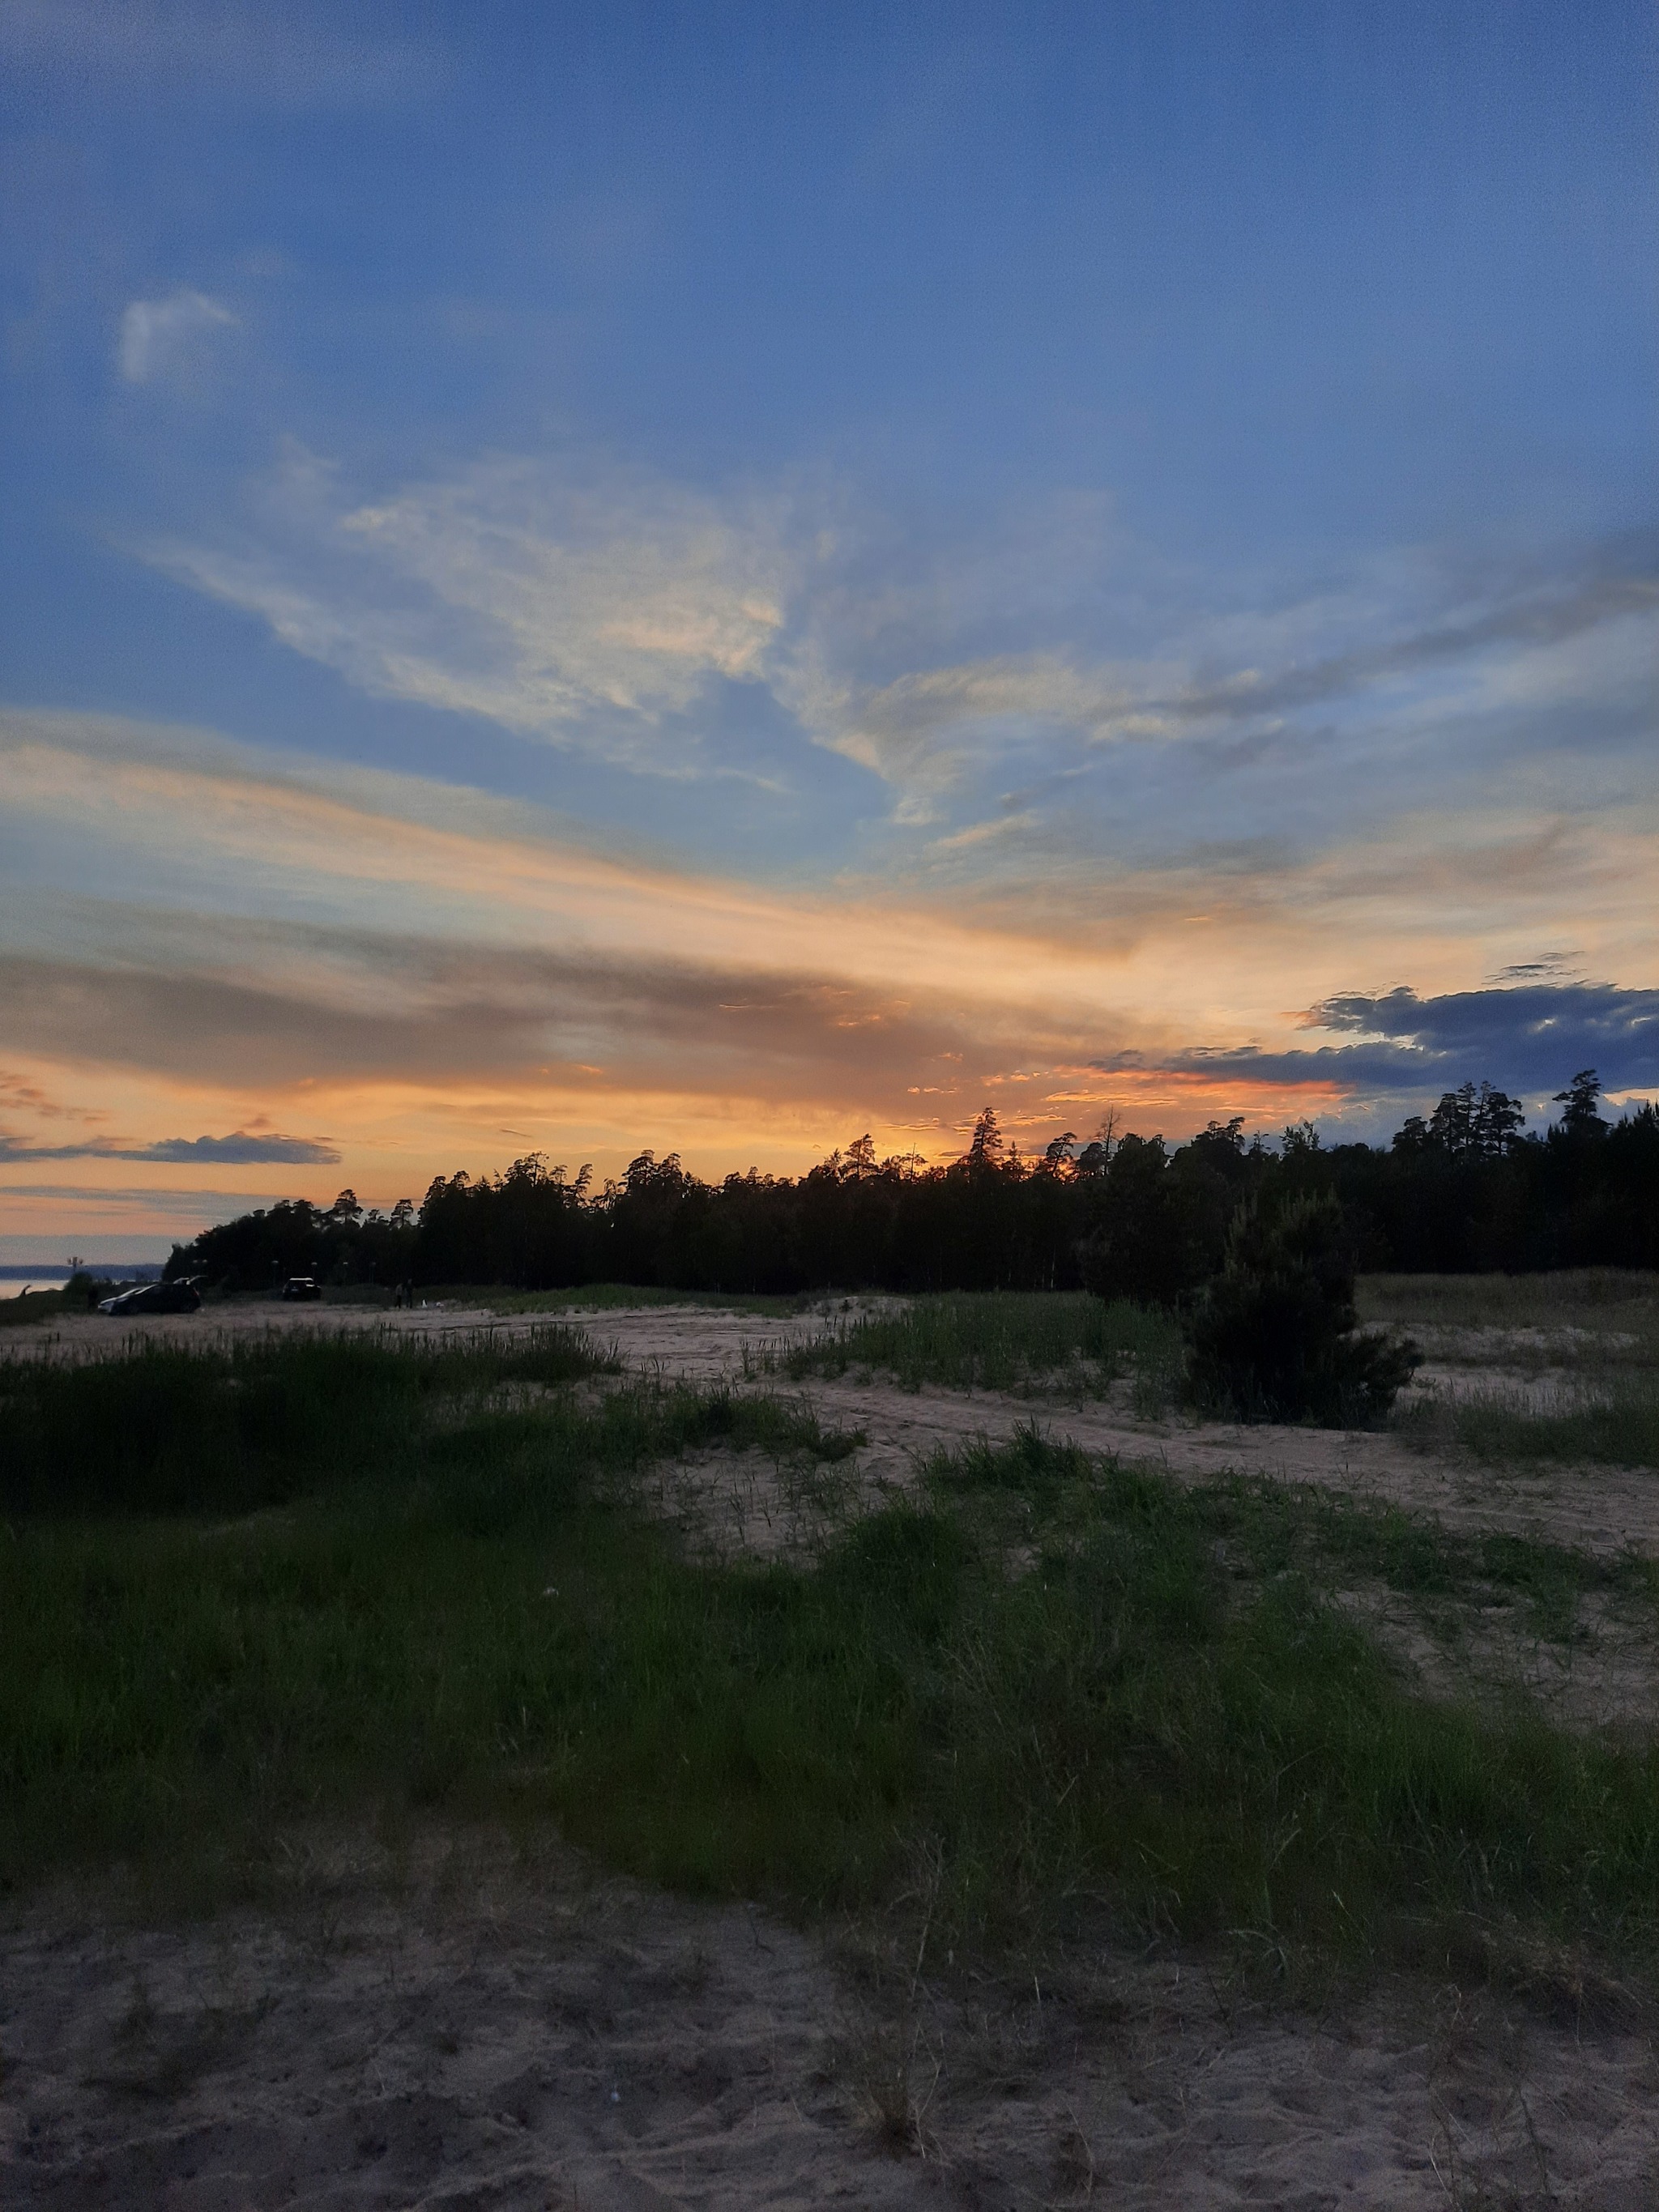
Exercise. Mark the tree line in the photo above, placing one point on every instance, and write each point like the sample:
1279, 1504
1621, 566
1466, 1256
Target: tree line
1468, 1188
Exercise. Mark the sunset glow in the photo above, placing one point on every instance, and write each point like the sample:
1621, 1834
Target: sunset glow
716, 587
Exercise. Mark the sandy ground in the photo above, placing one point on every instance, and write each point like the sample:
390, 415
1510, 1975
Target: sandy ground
472, 2034
463, 2031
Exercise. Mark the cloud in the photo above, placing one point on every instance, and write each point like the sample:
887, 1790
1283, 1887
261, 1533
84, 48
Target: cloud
17, 1092
161, 337
1536, 1027
603, 609
418, 967
924, 729
456, 1015
242, 1148
587, 611
931, 723
1531, 1038
1547, 967
1623, 583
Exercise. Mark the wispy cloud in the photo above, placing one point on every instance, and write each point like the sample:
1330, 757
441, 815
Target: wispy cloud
604, 610
586, 610
162, 337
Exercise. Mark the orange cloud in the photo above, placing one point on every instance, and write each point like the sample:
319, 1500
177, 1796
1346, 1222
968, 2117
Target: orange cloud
428, 977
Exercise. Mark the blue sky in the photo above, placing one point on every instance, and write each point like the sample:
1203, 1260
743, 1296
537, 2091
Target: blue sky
713, 576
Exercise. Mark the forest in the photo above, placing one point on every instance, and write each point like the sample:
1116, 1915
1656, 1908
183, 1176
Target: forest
1467, 1188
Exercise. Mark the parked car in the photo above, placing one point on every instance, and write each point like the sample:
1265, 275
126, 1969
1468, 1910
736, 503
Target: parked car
302, 1287
181, 1296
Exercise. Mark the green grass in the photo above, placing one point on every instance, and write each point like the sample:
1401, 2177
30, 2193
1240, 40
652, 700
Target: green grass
1080, 1689
1250, 1759
233, 1427
1266, 1529
227, 1426
1007, 1340
1617, 1425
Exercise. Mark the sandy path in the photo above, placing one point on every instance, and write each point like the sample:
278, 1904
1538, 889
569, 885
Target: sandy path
481, 2038
1600, 1510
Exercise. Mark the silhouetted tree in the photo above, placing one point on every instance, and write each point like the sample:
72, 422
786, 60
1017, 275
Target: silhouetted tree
986, 1147
1160, 1223
1130, 1216
1475, 1122
1580, 1105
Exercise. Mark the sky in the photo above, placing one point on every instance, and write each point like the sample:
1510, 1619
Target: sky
580, 578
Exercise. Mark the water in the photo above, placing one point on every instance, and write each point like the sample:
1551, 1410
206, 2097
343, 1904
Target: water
16, 1279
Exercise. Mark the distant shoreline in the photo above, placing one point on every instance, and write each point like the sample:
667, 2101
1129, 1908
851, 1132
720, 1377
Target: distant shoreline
131, 1271
15, 1280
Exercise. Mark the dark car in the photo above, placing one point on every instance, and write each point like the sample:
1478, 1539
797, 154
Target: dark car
181, 1296
302, 1287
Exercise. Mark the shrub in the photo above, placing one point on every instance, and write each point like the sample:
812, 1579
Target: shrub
1272, 1337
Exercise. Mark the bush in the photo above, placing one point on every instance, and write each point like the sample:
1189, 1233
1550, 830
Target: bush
1273, 1336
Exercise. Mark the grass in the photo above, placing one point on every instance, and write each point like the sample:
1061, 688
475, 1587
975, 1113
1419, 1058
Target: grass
1251, 1761
238, 1427
1616, 1425
1612, 1310
229, 1426
1076, 1688
1007, 1340
1264, 1529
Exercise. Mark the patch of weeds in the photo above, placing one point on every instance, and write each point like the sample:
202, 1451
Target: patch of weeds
1030, 1464
1074, 2171
894, 2069
1615, 1427
1487, 2151
1437, 1803
886, 2050
227, 1427
163, 2058
1003, 1340
1275, 1528
786, 1428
